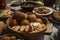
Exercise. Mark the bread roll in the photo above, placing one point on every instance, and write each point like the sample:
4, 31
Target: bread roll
27, 28
20, 15
6, 38
31, 17
1, 26
24, 22
13, 38
39, 20
22, 28
16, 28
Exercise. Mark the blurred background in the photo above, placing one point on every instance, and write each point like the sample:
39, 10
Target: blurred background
51, 3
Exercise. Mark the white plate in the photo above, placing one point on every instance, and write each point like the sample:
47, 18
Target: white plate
50, 9
14, 8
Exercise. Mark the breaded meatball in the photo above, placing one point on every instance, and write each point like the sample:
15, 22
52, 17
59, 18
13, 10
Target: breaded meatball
13, 38
39, 20
31, 17
6, 38
1, 26
13, 22
25, 22
20, 15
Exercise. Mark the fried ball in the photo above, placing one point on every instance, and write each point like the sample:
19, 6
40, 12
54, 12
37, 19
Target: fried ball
13, 38
16, 14
6, 38
1, 26
2, 23
25, 22
31, 17
20, 15
13, 22
39, 20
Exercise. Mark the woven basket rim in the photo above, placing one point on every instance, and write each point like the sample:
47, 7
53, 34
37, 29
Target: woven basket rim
9, 27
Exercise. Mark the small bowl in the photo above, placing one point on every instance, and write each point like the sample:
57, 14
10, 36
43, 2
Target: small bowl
27, 8
4, 16
14, 6
50, 11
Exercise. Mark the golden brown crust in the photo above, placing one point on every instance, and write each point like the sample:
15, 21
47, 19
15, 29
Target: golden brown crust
32, 17
39, 20
56, 15
1, 26
20, 15
25, 22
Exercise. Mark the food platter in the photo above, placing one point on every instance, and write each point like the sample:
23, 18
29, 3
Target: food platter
6, 13
43, 11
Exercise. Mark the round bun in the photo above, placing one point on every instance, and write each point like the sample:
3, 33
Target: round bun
56, 16
32, 17
13, 22
20, 15
24, 22
39, 20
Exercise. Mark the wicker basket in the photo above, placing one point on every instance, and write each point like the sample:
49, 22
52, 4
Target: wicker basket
31, 35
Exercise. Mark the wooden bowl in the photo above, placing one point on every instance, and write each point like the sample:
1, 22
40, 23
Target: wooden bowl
31, 35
